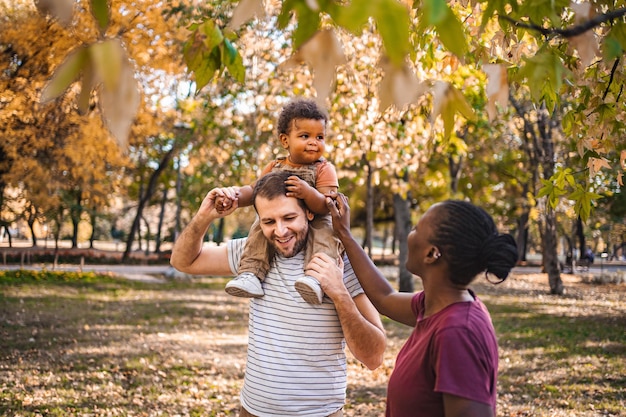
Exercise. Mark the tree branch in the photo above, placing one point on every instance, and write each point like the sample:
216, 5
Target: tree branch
571, 31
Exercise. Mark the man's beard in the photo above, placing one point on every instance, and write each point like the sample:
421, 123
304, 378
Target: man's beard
297, 247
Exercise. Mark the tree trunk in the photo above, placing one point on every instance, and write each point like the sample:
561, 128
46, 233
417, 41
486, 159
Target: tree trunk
148, 234
580, 234
402, 215
369, 211
522, 235
92, 218
31, 213
8, 232
550, 258
545, 124
157, 238
75, 212
218, 232
144, 199
455, 172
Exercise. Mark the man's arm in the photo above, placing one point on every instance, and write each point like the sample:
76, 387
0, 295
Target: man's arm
188, 254
360, 322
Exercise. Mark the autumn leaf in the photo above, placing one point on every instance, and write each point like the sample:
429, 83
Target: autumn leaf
245, 11
119, 106
596, 164
586, 44
65, 74
447, 102
323, 53
399, 87
497, 88
58, 9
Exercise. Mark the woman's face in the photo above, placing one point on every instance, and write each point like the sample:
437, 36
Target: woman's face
419, 239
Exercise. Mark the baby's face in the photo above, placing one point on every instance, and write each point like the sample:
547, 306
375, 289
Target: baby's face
306, 141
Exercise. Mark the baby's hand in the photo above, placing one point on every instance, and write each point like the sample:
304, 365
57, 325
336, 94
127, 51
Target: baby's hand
296, 187
222, 204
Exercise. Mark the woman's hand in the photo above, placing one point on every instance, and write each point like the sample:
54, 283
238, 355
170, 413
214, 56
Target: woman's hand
340, 213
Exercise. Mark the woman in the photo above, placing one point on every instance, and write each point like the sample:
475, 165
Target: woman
448, 366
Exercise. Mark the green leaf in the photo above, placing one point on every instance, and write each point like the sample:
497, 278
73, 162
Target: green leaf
308, 23
213, 34
65, 75
285, 13
233, 61
543, 73
551, 191
100, 11
583, 201
452, 35
355, 16
209, 65
392, 20
435, 11
107, 61
89, 79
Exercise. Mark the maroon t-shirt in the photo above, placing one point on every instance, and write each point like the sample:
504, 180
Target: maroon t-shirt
454, 351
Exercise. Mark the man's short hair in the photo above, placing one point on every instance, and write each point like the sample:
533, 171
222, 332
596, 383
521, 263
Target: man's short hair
272, 185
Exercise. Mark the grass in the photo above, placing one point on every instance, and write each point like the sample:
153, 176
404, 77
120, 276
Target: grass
95, 345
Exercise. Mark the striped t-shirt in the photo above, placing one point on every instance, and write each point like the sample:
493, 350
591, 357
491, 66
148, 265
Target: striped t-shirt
296, 362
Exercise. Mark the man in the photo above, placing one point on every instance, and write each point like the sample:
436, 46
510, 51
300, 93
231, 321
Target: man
296, 363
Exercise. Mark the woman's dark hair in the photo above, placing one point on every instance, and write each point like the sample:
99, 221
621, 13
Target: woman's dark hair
469, 241
272, 185
299, 108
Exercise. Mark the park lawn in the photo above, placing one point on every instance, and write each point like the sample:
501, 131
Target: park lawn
92, 345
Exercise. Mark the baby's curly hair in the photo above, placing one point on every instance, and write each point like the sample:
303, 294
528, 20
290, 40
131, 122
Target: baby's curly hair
299, 108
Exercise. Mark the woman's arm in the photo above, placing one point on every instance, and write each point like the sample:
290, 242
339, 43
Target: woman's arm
389, 302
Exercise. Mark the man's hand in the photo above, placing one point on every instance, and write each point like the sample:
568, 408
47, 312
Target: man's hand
297, 187
219, 202
340, 213
329, 272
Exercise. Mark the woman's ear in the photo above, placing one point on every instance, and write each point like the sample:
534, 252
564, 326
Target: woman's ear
433, 254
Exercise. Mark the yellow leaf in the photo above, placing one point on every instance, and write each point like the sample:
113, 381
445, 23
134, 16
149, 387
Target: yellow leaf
246, 10
323, 53
497, 88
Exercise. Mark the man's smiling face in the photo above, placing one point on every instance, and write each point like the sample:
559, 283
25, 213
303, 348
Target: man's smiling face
285, 224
